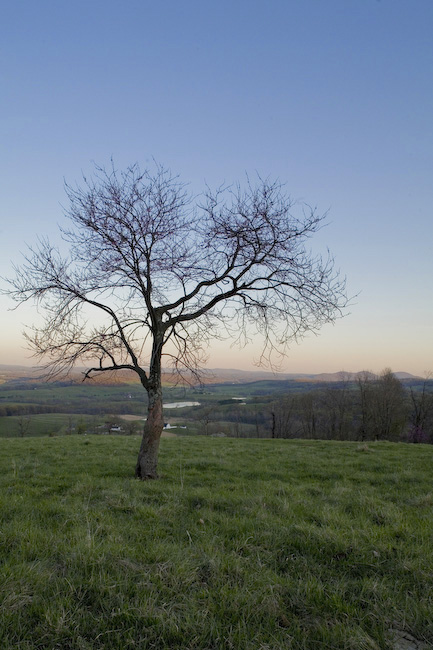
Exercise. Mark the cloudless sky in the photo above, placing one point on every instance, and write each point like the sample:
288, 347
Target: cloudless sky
333, 97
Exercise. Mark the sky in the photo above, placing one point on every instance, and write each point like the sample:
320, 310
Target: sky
334, 98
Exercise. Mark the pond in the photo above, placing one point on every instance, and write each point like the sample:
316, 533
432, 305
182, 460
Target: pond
180, 405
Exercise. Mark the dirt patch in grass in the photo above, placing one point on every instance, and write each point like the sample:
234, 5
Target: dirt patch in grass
402, 640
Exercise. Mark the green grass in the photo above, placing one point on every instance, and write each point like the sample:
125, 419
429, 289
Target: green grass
78, 398
40, 424
243, 544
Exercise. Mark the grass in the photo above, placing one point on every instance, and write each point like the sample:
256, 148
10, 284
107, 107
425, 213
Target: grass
59, 424
243, 544
36, 424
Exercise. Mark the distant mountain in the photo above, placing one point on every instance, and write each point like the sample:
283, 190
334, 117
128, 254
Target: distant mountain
221, 375
406, 375
209, 375
16, 372
227, 375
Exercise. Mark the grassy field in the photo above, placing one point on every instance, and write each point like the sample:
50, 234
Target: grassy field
41, 424
243, 544
60, 424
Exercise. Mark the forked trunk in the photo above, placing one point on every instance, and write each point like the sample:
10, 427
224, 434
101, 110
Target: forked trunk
147, 461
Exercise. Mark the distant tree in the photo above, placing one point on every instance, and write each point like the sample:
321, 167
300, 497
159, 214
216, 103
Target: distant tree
283, 420
150, 276
308, 414
81, 427
337, 408
24, 422
421, 416
383, 406
205, 418
70, 426
365, 381
391, 408
132, 428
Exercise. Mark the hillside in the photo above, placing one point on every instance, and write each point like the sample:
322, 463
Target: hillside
243, 544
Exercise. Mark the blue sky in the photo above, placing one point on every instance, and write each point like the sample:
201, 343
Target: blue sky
333, 97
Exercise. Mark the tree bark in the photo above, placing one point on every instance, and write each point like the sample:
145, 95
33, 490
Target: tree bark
147, 461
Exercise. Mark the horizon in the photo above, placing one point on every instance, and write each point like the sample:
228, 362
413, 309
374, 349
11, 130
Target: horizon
221, 370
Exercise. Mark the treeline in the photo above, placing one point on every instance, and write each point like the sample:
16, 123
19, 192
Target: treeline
27, 409
118, 408
372, 408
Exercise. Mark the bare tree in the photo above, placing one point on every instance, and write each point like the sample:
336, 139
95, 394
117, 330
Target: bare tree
383, 406
337, 409
309, 414
391, 408
24, 425
205, 418
283, 418
365, 381
421, 416
151, 275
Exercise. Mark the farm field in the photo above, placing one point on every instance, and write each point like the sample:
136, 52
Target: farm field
29, 408
59, 424
244, 544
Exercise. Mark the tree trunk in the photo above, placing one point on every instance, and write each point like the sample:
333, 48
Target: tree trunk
147, 461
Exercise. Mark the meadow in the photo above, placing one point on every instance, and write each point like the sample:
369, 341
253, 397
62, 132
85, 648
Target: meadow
242, 544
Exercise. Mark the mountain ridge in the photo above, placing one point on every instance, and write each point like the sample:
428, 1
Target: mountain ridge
209, 375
